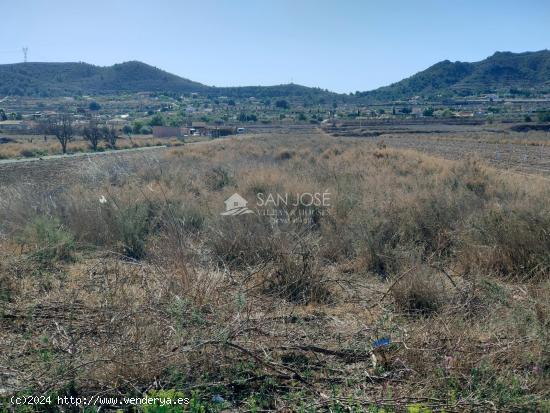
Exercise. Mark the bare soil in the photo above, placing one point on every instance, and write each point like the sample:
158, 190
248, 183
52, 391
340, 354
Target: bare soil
501, 145
57, 171
516, 156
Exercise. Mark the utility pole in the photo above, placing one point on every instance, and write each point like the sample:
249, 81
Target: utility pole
25, 51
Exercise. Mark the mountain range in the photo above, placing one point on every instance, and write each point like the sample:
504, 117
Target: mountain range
520, 73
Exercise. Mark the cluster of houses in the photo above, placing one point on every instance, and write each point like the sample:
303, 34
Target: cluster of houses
17, 126
196, 129
29, 122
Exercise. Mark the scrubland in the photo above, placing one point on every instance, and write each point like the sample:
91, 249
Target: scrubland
422, 287
32, 146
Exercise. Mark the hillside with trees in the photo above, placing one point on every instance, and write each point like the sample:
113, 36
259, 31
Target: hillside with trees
524, 74
70, 79
520, 74
67, 79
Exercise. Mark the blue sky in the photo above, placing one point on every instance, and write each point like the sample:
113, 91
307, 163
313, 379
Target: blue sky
344, 45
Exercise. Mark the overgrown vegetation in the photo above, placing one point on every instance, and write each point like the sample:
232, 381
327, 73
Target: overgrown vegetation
421, 287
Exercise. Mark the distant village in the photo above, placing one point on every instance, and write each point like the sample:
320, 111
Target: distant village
164, 116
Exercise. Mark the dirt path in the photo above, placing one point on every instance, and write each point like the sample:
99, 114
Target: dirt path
53, 172
57, 170
73, 155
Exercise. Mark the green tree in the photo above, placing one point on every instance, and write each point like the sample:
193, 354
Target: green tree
127, 130
544, 116
137, 126
428, 112
157, 120
447, 113
94, 106
282, 104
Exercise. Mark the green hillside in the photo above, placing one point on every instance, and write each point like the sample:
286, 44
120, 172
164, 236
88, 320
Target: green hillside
517, 73
65, 79
523, 74
69, 79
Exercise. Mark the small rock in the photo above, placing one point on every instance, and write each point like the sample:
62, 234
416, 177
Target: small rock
218, 399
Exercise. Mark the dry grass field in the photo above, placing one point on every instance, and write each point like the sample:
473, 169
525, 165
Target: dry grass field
422, 285
499, 145
33, 146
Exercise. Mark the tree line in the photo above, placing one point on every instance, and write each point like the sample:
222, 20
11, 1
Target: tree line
65, 130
